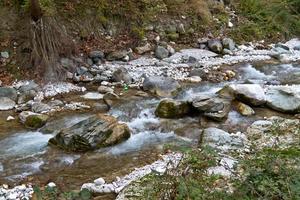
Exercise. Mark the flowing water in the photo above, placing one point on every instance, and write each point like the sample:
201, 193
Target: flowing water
25, 155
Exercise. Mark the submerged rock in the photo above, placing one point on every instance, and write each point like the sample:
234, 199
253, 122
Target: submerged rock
169, 108
284, 98
92, 133
161, 86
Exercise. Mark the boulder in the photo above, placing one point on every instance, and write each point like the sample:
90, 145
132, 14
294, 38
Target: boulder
248, 93
161, 52
9, 93
284, 98
169, 108
6, 104
161, 86
26, 96
221, 140
96, 56
228, 43
244, 109
92, 133
33, 120
212, 106
186, 55
215, 46
122, 74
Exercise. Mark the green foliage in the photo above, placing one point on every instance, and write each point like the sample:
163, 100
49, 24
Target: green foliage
271, 174
267, 18
50, 193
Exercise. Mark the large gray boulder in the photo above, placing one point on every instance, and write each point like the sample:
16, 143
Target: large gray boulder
215, 46
40, 107
161, 86
169, 108
122, 74
284, 98
6, 103
212, 106
9, 93
248, 93
92, 133
33, 120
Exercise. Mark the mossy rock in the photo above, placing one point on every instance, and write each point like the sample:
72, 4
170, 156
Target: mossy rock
36, 121
169, 108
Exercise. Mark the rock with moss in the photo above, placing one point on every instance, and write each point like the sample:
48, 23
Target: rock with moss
215, 46
92, 133
33, 120
169, 108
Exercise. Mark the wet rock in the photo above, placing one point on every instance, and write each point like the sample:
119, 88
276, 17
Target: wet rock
104, 89
169, 108
6, 103
215, 46
161, 52
144, 49
161, 86
117, 55
8, 92
122, 75
228, 43
33, 120
244, 109
221, 140
273, 131
92, 133
40, 107
282, 46
248, 93
284, 98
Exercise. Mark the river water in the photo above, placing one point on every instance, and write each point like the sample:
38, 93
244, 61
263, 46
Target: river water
26, 157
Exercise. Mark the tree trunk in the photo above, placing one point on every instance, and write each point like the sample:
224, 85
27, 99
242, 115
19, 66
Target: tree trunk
35, 10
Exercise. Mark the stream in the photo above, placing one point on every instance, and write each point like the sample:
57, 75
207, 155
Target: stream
26, 157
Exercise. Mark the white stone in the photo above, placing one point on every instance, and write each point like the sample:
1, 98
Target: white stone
92, 96
51, 185
10, 118
99, 181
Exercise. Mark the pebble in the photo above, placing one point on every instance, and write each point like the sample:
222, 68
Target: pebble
10, 118
51, 185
